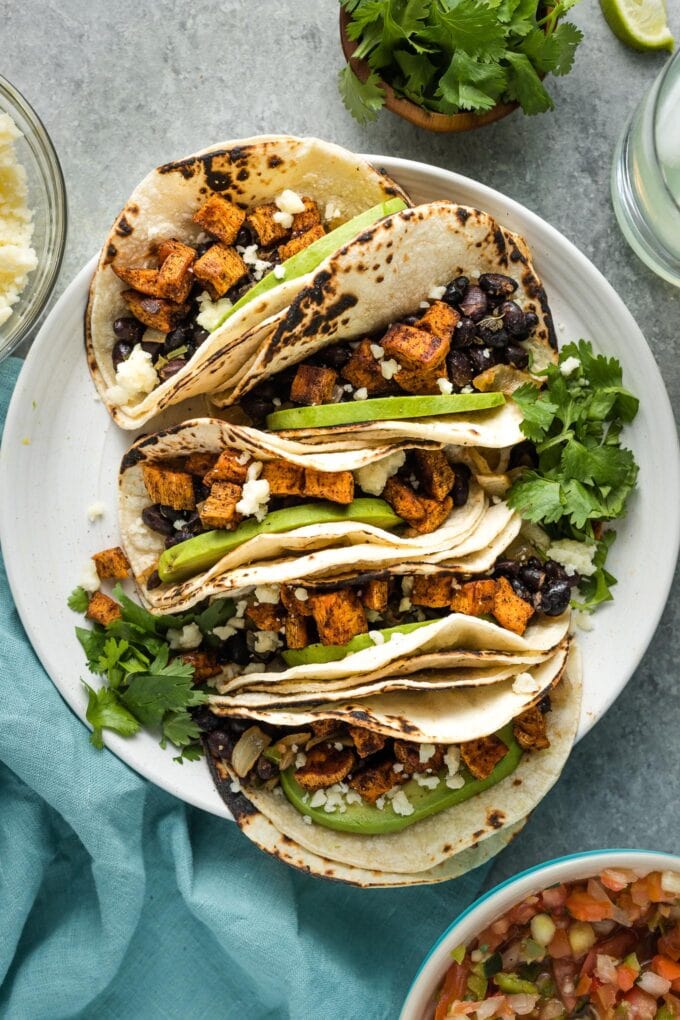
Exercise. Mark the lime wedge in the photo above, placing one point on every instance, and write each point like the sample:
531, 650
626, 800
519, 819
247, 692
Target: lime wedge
639, 23
381, 409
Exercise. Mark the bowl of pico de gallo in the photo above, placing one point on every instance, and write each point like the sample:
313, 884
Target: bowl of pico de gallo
593, 935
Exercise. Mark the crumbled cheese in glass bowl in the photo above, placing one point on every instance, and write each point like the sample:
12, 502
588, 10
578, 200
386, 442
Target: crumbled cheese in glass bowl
45, 199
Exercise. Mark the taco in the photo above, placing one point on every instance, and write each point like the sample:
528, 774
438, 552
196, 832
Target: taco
207, 508
430, 311
205, 249
380, 794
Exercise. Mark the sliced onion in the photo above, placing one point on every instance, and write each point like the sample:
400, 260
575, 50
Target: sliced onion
488, 1007
605, 968
248, 750
552, 1009
522, 1004
294, 738
654, 984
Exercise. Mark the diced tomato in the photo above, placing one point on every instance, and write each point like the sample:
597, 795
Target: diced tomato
615, 880
655, 890
666, 968
675, 986
626, 977
555, 897
584, 907
565, 972
669, 944
605, 996
640, 893
642, 1005
584, 985
455, 985
523, 912
560, 945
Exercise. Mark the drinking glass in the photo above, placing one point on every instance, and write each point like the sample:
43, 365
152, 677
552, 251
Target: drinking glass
645, 179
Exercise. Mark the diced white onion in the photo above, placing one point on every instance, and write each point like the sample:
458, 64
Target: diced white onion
654, 984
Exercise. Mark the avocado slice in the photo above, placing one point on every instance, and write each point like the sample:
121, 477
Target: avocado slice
311, 256
203, 551
367, 819
316, 653
381, 409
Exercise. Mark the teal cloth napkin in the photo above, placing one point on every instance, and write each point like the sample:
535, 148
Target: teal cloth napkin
117, 900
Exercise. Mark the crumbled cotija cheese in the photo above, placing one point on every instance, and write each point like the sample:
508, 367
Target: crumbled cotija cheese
289, 202
188, 637
401, 805
361, 393
135, 377
444, 385
267, 593
279, 273
389, 368
332, 212
89, 578
249, 255
569, 365
96, 510
211, 312
266, 641
373, 478
425, 752
17, 257
575, 557
255, 494
437, 293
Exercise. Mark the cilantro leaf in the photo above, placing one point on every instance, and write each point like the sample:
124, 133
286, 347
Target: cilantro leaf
179, 728
362, 99
166, 686
105, 711
553, 52
192, 752
78, 600
538, 411
469, 25
525, 86
536, 499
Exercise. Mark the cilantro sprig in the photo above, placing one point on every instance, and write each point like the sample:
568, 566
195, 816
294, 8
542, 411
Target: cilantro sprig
143, 687
584, 475
453, 55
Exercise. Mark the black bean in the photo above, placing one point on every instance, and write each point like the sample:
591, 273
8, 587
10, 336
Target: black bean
170, 513
172, 368
193, 520
520, 589
410, 320
532, 577
128, 328
497, 285
545, 704
121, 352
459, 368
513, 317
530, 321
337, 356
244, 236
201, 490
257, 408
464, 333
554, 597
516, 356
204, 718
221, 743
153, 349
554, 571
204, 246
236, 648
266, 769
507, 568
497, 338
179, 535
199, 335
453, 294
154, 519
154, 581
460, 489
176, 338
462, 283
481, 358
524, 455
474, 304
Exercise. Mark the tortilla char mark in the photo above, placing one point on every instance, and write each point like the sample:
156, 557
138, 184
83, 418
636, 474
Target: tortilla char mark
495, 819
225, 169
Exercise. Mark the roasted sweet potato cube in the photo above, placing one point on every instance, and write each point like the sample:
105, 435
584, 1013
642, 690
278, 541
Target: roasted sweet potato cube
219, 270
285, 479
200, 463
433, 590
414, 348
325, 727
293, 604
313, 385
403, 500
481, 756
415, 757
102, 609
266, 616
205, 665
474, 598
261, 221
511, 611
366, 741
335, 486
374, 781
219, 509
435, 472
145, 281
363, 371
440, 319
434, 516
227, 468
111, 563
171, 488
375, 594
339, 616
297, 630
220, 218
530, 730
174, 278
300, 241
421, 382
156, 313
309, 218
325, 766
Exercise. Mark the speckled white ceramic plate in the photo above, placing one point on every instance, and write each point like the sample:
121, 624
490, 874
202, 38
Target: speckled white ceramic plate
61, 452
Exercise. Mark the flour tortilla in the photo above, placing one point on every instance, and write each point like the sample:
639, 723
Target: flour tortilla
248, 172
382, 276
429, 842
314, 550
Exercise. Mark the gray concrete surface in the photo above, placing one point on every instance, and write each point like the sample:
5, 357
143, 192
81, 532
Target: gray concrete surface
123, 86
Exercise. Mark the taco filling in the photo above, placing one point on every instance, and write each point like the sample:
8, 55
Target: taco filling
188, 288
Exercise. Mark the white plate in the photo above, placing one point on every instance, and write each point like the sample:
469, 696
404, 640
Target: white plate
61, 453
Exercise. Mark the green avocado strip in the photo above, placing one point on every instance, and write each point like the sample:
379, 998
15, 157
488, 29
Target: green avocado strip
203, 551
367, 819
310, 257
381, 409
316, 653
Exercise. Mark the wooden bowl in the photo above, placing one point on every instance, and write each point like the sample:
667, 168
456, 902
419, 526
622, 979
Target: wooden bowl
441, 122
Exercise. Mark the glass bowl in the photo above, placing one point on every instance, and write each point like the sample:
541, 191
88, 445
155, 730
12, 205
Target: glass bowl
47, 201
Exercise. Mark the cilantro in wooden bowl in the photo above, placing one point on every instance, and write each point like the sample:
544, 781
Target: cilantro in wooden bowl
452, 65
